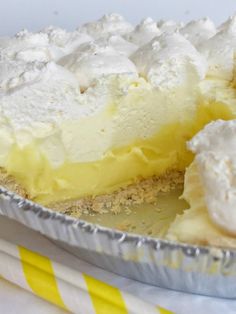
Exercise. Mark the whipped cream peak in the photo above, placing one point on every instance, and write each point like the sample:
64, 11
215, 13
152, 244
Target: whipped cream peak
39, 97
33, 72
108, 24
215, 148
214, 137
30, 73
95, 60
117, 42
50, 44
169, 26
143, 32
67, 41
170, 60
198, 31
229, 25
44, 71
55, 34
219, 51
148, 23
28, 47
33, 38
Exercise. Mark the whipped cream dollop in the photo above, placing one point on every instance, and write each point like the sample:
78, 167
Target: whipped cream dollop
215, 148
35, 105
219, 51
108, 24
50, 44
9, 71
198, 31
120, 44
144, 32
39, 97
29, 47
94, 60
169, 61
67, 41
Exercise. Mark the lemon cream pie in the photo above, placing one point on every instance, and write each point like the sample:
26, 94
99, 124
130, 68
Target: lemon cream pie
101, 115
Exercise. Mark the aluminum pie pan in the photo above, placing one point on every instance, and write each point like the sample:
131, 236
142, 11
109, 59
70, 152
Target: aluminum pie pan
194, 269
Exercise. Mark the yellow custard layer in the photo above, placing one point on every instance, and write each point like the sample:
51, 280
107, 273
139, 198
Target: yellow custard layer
119, 167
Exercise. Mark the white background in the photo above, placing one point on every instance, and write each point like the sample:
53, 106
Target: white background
35, 14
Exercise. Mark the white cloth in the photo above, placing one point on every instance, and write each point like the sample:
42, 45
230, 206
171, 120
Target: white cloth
15, 300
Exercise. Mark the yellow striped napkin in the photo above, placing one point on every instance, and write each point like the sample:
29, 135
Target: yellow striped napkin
67, 288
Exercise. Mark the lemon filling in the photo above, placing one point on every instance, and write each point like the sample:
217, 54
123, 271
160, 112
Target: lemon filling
118, 167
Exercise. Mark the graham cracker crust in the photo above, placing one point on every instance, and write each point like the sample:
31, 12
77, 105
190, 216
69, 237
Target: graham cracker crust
11, 184
144, 191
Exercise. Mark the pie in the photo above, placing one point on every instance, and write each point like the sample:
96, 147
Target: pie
100, 116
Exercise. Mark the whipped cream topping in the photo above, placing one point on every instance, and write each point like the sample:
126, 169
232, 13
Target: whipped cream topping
155, 50
220, 51
52, 77
215, 148
94, 60
108, 24
198, 31
169, 61
144, 32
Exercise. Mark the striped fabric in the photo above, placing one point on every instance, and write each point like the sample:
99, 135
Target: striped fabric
69, 289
